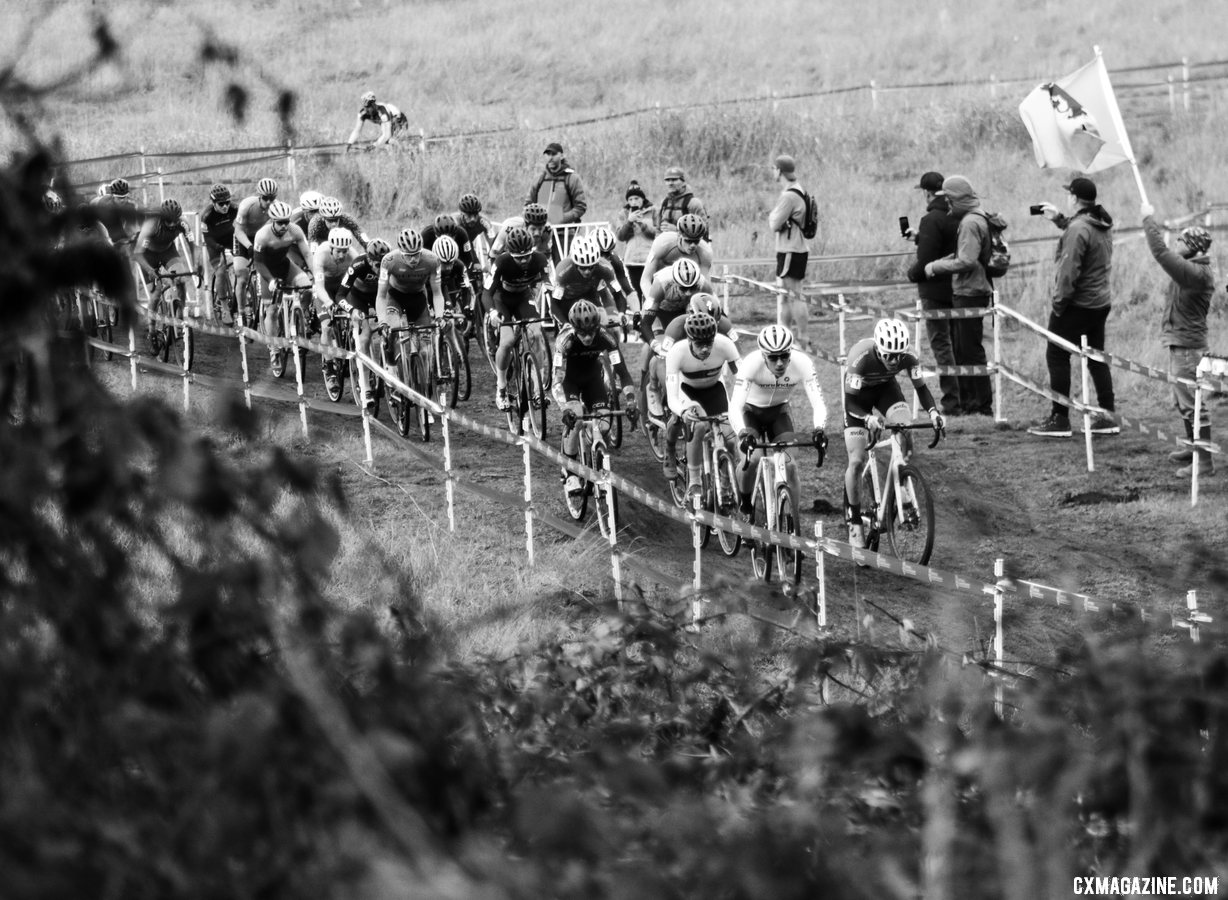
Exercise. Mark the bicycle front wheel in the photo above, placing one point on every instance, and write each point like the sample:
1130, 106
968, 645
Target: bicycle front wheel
105, 318
869, 507
298, 328
577, 501
616, 422
515, 412
605, 497
652, 429
464, 376
788, 560
912, 536
449, 376
277, 357
534, 390
727, 501
422, 383
405, 406
760, 553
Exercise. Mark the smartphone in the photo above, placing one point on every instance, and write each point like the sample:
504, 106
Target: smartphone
1037, 210
903, 226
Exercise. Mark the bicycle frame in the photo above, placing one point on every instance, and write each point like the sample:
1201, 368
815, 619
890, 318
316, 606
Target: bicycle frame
887, 484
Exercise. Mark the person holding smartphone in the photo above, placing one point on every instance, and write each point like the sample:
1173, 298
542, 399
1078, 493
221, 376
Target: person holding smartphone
636, 230
936, 236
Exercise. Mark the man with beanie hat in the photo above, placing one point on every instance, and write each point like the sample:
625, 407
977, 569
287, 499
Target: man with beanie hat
1081, 303
970, 289
635, 228
1184, 324
937, 236
792, 251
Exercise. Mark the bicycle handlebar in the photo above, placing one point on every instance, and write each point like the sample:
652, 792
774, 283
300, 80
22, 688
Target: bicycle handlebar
781, 445
939, 433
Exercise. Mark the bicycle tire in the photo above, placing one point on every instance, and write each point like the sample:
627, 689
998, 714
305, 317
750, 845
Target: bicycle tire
355, 384
677, 487
547, 355
577, 501
405, 406
652, 431
423, 383
707, 502
788, 560
913, 539
188, 347
449, 375
760, 553
535, 400
727, 503
337, 365
869, 507
488, 339
515, 412
277, 357
298, 328
223, 294
464, 375
104, 324
616, 422
605, 498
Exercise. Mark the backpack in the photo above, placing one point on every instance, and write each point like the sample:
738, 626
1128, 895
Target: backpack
996, 254
810, 220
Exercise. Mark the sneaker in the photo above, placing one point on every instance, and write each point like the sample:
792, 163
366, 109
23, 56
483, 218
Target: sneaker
1181, 456
573, 485
502, 400
655, 408
1055, 426
1104, 425
669, 469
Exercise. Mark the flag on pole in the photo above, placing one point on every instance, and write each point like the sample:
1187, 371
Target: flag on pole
1075, 123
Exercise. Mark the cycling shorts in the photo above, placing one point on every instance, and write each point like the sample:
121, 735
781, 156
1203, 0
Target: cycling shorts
330, 287
241, 251
363, 301
165, 258
287, 273
881, 398
514, 306
712, 399
772, 421
412, 305
592, 393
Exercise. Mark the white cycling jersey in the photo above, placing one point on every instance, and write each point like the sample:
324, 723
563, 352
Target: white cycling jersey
682, 367
756, 385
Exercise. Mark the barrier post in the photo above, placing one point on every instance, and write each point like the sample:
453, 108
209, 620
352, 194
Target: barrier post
448, 485
291, 169
873, 96
999, 595
132, 353
1195, 461
247, 381
916, 342
186, 374
1087, 403
161, 185
612, 531
697, 569
821, 574
1172, 98
528, 499
1185, 83
298, 375
144, 179
996, 321
724, 292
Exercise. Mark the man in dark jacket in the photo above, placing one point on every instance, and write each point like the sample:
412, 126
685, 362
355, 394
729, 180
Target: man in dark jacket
935, 238
1081, 303
1184, 324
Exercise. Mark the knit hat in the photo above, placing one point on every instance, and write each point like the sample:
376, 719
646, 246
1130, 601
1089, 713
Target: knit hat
785, 163
634, 190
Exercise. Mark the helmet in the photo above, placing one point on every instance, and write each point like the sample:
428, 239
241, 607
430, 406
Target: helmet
410, 240
52, 201
470, 204
219, 193
444, 222
691, 227
685, 273
104, 190
119, 187
377, 249
775, 339
891, 336
700, 327
171, 210
280, 211
534, 214
1197, 238
603, 238
368, 98
310, 200
445, 248
330, 207
266, 187
584, 252
705, 303
519, 241
584, 317
340, 239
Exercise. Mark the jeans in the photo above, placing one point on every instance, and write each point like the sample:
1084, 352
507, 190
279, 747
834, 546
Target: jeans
943, 346
1071, 325
975, 391
1183, 362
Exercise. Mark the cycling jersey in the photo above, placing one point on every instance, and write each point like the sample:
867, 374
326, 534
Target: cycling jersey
317, 231
542, 242
158, 236
666, 298
510, 277
580, 363
676, 330
620, 272
869, 381
409, 274
327, 271
758, 387
430, 234
453, 278
218, 228
572, 285
359, 284
250, 218
475, 225
271, 252
684, 370
379, 113
666, 250
118, 215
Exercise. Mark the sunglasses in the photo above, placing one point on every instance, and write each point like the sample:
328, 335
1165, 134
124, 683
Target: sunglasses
673, 180
890, 358
268, 199
778, 357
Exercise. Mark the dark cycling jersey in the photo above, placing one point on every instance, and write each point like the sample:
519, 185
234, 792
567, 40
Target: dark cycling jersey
580, 364
218, 228
453, 278
572, 285
379, 113
157, 236
430, 234
868, 381
620, 272
510, 277
317, 231
119, 216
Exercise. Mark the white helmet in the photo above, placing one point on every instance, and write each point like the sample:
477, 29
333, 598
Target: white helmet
584, 252
891, 336
775, 340
340, 239
310, 200
685, 273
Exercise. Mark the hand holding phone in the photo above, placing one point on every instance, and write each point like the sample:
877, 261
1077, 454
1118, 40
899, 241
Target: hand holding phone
1037, 209
903, 226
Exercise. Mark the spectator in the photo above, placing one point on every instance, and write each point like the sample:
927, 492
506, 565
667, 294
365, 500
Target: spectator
636, 230
936, 236
678, 201
559, 189
1184, 324
391, 121
970, 289
1081, 303
792, 251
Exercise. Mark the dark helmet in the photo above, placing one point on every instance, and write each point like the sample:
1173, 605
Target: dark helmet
519, 241
534, 214
584, 317
691, 227
470, 204
219, 193
171, 210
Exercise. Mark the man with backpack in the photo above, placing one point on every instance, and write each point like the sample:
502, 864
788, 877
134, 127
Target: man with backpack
790, 219
678, 201
971, 288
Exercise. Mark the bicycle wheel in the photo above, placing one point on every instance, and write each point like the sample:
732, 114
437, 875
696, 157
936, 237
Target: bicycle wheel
488, 338
464, 376
788, 560
677, 487
577, 501
448, 375
403, 415
547, 354
912, 537
223, 295
105, 318
760, 553
336, 365
653, 430
708, 503
604, 496
186, 343
727, 501
869, 508
424, 385
355, 384
277, 357
535, 394
616, 422
298, 328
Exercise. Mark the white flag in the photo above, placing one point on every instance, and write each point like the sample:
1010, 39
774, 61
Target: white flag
1075, 122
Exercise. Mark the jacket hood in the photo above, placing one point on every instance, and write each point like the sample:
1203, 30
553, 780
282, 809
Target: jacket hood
938, 203
960, 206
1097, 215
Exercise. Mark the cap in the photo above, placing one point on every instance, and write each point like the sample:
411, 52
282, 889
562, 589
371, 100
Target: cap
785, 163
553, 147
675, 172
1083, 188
957, 186
930, 181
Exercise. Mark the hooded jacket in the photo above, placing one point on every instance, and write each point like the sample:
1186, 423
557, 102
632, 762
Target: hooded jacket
968, 277
561, 192
1189, 295
937, 236
1084, 259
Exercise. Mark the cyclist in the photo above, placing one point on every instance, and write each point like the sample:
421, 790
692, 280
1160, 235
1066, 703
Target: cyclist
328, 217
252, 216
271, 257
604, 239
534, 220
308, 206
328, 266
518, 273
872, 395
391, 121
409, 292
583, 276
469, 216
445, 224
217, 225
693, 386
155, 249
669, 246
767, 378
578, 383
356, 296
454, 278
116, 210
665, 301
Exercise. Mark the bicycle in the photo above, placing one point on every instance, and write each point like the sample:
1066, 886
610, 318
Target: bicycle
222, 287
291, 323
452, 374
350, 339
99, 317
342, 339
167, 336
489, 338
897, 502
775, 508
526, 389
593, 454
719, 484
410, 368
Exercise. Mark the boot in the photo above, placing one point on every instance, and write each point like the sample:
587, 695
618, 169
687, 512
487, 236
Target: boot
1206, 462
1185, 454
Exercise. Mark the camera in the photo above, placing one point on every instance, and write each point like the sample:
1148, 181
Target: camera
1037, 209
903, 226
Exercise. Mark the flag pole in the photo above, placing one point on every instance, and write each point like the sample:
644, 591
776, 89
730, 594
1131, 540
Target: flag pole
1115, 112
